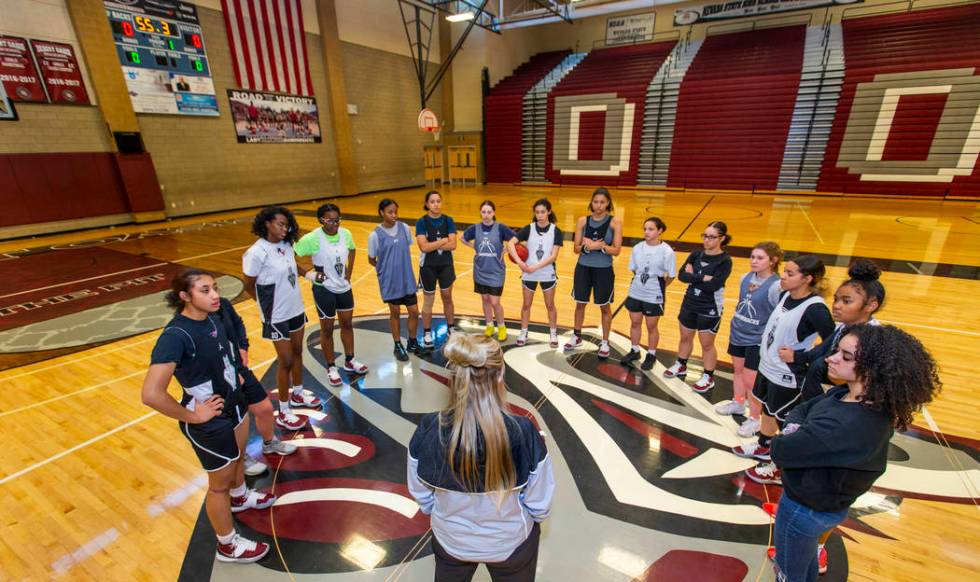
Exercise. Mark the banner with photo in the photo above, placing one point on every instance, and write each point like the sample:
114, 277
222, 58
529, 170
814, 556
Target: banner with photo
743, 8
273, 117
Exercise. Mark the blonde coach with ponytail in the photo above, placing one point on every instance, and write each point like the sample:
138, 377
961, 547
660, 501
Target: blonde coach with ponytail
483, 475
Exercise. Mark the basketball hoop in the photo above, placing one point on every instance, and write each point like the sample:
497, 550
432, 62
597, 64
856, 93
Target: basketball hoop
428, 121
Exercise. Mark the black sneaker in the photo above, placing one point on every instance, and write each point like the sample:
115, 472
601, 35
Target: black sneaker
400, 354
648, 362
415, 348
629, 358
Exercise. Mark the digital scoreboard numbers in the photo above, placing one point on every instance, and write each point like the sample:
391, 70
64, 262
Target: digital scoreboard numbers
161, 48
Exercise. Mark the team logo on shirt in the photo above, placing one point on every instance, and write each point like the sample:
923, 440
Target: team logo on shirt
292, 278
486, 248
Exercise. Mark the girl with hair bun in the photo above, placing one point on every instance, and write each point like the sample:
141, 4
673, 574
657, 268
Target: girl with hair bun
835, 446
705, 273
798, 319
654, 267
757, 297
482, 475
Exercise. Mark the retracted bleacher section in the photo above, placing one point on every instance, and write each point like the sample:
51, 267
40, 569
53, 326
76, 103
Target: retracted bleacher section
504, 116
734, 112
595, 115
908, 122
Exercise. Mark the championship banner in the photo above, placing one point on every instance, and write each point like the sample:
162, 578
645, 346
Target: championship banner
629, 29
59, 71
7, 110
742, 8
273, 117
17, 71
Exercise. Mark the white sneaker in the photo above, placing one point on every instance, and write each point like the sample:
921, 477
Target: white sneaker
287, 420
522, 337
574, 342
553, 339
730, 407
427, 339
678, 370
333, 376
277, 447
603, 352
254, 467
355, 367
748, 428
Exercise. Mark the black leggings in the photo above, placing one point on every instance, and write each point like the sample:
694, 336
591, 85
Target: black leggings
518, 567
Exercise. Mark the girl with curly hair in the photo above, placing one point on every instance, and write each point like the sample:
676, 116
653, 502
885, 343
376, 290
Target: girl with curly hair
272, 279
834, 447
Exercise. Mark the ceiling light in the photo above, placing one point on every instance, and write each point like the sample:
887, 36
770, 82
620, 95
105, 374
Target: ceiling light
461, 17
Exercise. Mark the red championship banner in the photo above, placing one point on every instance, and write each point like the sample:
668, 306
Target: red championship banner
17, 71
59, 71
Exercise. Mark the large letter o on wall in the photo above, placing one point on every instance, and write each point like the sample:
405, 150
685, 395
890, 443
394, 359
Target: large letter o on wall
955, 146
617, 137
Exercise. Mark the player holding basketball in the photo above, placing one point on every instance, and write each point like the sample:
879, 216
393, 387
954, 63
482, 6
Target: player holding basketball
488, 239
332, 249
212, 412
654, 267
543, 240
435, 234
272, 279
598, 238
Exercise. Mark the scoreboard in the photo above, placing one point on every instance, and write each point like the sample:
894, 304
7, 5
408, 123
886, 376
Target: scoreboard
160, 45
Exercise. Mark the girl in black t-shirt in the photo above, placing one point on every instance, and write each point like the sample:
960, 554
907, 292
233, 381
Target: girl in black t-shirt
212, 413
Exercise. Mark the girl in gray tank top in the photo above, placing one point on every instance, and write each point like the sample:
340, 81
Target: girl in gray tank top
598, 238
758, 295
388, 252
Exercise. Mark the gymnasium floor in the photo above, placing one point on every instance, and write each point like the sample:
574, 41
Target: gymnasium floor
97, 486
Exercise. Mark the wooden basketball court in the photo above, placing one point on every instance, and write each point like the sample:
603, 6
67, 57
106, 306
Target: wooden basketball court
97, 486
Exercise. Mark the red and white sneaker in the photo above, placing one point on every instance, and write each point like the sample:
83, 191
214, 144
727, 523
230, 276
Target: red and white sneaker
821, 560
355, 367
765, 474
304, 400
289, 421
333, 376
704, 383
553, 340
574, 342
252, 500
603, 352
752, 451
678, 370
522, 337
241, 550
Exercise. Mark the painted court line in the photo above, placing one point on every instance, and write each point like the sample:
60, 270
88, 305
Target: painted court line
806, 215
143, 268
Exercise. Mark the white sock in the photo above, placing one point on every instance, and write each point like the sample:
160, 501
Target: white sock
227, 538
239, 491
604, 343
554, 331
524, 330
283, 406
636, 347
652, 351
298, 389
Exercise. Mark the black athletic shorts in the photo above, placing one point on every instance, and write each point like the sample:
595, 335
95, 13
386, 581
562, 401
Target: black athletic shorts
487, 290
777, 400
698, 321
408, 300
252, 389
214, 441
329, 303
749, 353
280, 330
645, 307
596, 281
444, 275
533, 285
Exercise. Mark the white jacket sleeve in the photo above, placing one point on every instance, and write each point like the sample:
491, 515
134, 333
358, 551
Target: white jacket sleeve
423, 494
539, 491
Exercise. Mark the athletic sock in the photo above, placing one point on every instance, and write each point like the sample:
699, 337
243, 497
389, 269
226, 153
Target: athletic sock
578, 333
652, 351
348, 357
682, 361
226, 539
428, 330
298, 389
710, 373
238, 491
269, 442
636, 348
283, 406
764, 440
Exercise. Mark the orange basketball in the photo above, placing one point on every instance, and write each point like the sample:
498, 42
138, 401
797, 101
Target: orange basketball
522, 252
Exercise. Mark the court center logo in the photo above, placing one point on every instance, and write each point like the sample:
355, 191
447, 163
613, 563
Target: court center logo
616, 136
955, 144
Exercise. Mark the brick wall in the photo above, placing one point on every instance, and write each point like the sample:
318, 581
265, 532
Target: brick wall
202, 167
54, 128
387, 141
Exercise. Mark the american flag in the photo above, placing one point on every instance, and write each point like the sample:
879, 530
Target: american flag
268, 46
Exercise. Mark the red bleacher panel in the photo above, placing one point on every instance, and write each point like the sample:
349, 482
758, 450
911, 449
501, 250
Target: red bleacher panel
734, 110
613, 82
939, 40
503, 109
